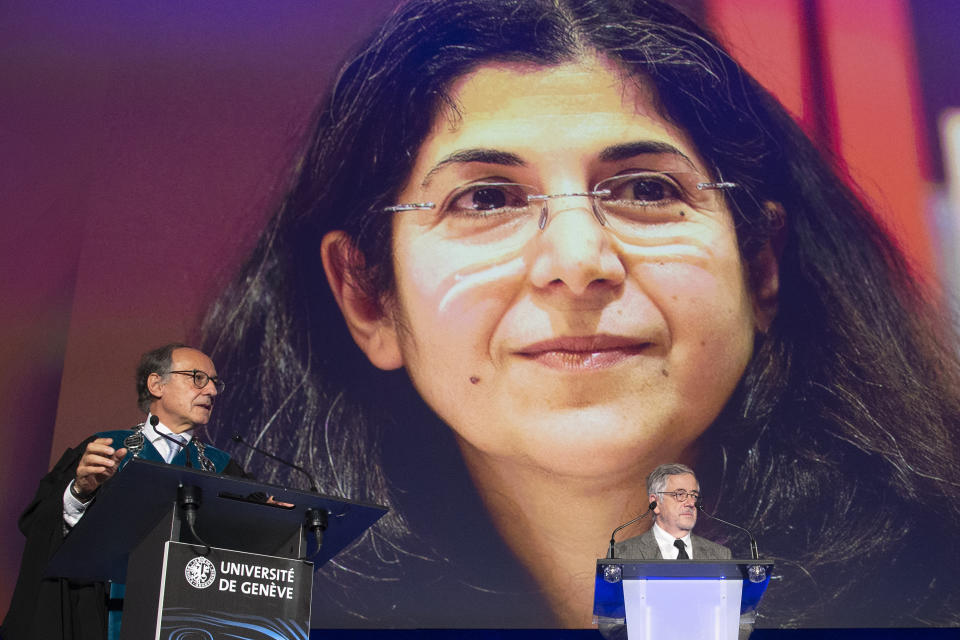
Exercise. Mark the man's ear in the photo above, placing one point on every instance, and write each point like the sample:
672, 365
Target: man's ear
373, 329
764, 272
155, 385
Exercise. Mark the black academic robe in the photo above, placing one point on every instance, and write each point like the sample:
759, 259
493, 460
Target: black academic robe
51, 609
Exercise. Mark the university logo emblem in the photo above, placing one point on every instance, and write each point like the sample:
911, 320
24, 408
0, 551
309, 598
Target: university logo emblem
200, 573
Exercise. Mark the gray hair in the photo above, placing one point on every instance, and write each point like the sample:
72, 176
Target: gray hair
657, 480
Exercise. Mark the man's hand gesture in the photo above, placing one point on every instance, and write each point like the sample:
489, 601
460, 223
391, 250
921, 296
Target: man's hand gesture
98, 464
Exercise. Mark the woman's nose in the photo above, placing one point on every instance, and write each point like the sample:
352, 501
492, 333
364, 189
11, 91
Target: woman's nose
574, 251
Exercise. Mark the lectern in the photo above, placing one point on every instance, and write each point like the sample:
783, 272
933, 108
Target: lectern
683, 599
245, 568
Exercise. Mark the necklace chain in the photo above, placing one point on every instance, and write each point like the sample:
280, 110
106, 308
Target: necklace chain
135, 442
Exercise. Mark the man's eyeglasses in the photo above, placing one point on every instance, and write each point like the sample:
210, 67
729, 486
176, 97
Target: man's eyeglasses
680, 495
632, 205
201, 378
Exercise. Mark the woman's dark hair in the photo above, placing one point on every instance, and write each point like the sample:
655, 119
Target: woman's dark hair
837, 449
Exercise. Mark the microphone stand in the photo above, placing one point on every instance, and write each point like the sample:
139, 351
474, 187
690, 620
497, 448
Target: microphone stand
313, 481
610, 553
754, 551
315, 519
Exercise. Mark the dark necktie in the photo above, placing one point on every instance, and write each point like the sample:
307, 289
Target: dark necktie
683, 550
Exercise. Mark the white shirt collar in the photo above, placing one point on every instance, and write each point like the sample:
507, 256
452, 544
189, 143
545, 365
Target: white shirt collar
163, 446
665, 542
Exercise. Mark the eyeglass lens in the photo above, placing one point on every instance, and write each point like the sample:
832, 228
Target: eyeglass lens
634, 206
201, 378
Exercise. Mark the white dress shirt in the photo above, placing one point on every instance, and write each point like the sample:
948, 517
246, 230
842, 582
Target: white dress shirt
665, 542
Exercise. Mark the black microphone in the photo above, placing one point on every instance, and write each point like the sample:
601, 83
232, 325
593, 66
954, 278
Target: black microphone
313, 481
316, 521
650, 507
154, 421
754, 552
189, 498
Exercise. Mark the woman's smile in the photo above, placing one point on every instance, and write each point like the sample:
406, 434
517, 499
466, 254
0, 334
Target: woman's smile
583, 353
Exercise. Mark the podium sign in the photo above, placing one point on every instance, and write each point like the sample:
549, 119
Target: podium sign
232, 594
661, 608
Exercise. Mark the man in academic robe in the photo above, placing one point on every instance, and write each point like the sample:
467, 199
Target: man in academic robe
176, 386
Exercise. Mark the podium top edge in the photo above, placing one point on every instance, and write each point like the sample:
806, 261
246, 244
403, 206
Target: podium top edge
659, 561
278, 491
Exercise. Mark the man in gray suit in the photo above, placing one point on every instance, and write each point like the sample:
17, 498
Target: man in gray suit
675, 489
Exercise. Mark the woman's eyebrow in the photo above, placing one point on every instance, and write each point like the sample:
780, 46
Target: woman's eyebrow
612, 153
628, 150
486, 156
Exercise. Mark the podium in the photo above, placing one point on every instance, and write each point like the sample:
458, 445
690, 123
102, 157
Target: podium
666, 599
249, 568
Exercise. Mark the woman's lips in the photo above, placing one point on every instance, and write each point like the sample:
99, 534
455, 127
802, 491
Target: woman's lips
583, 353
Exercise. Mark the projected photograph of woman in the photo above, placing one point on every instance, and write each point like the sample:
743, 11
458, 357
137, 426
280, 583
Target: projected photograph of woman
535, 248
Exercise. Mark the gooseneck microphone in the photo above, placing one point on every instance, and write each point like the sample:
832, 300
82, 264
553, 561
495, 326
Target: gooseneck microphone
754, 552
315, 520
613, 536
313, 481
154, 421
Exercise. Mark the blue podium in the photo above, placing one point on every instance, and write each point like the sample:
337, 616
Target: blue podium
682, 599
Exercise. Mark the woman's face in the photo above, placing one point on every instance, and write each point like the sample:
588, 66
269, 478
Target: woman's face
575, 349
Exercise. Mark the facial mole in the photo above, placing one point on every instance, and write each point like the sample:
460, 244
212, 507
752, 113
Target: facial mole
474, 380
665, 373
682, 214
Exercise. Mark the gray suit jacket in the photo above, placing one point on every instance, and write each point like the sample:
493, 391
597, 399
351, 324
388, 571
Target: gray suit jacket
645, 547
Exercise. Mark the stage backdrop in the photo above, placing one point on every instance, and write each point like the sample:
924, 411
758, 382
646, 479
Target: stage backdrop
144, 143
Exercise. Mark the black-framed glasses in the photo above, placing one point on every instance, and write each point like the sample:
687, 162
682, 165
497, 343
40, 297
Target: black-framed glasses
201, 378
682, 495
631, 204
